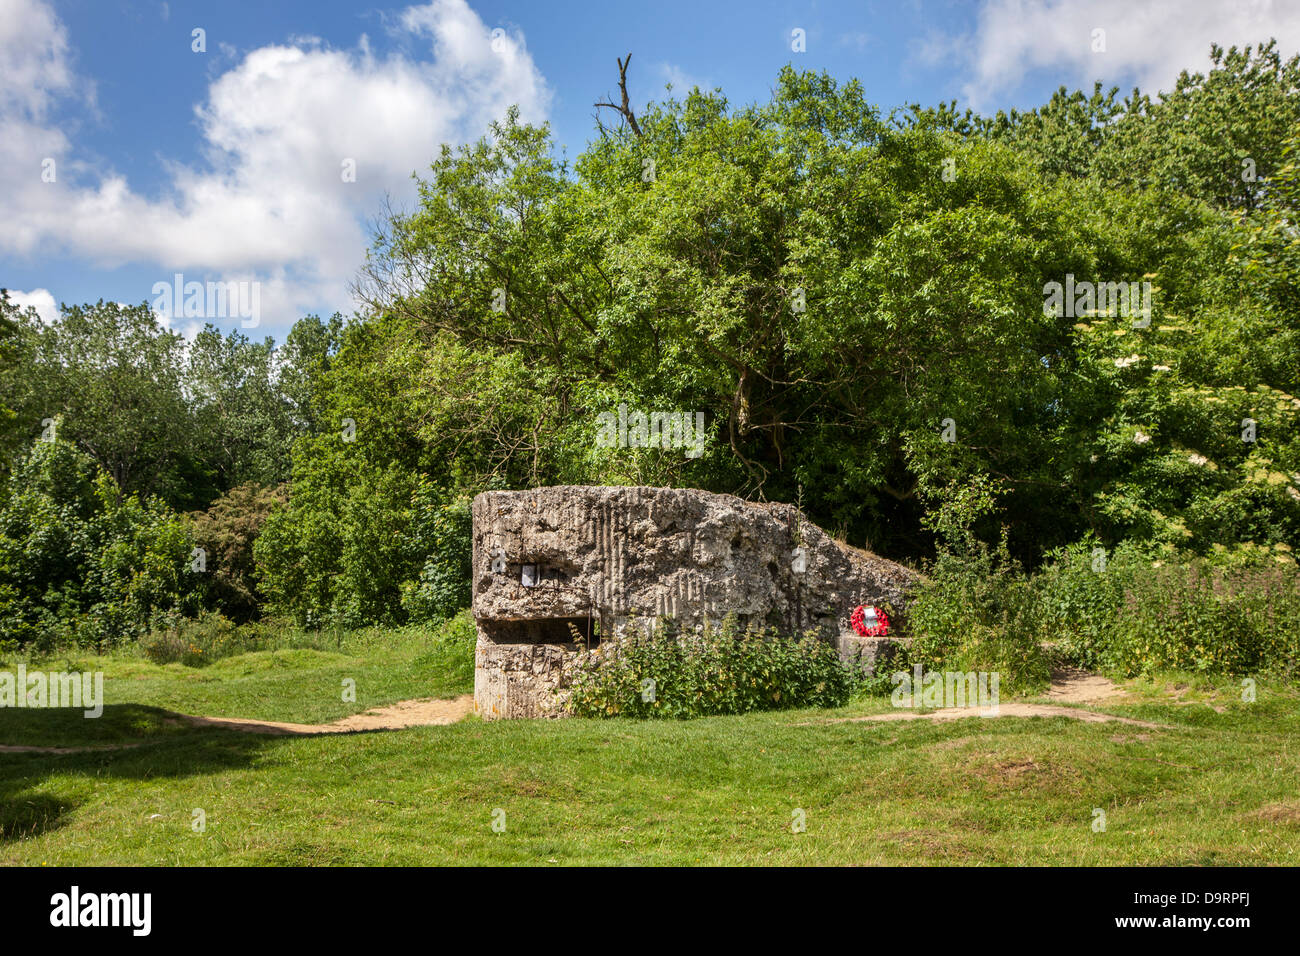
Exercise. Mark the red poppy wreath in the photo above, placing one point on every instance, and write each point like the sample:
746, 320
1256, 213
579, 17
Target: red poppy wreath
870, 621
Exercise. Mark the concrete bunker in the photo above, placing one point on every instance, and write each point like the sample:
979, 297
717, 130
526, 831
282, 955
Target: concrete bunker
558, 570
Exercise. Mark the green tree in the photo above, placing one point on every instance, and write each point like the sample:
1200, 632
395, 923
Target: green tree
302, 361
242, 419
115, 380
1217, 136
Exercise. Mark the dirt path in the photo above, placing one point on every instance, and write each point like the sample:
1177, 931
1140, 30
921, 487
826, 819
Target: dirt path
1069, 687
424, 712
1004, 710
1073, 686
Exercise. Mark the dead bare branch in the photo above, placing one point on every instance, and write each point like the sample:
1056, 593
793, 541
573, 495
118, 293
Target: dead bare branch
626, 108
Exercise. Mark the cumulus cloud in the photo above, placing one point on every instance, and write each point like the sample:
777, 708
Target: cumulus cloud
42, 300
33, 58
1146, 43
283, 131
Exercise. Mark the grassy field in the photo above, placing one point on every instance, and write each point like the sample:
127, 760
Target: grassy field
1217, 783
300, 684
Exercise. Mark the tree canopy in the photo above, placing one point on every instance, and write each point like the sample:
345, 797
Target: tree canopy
854, 302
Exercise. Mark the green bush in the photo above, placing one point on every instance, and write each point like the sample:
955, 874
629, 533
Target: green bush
978, 611
1079, 591
1145, 608
1134, 609
444, 533
717, 671
226, 531
80, 562
359, 545
1195, 616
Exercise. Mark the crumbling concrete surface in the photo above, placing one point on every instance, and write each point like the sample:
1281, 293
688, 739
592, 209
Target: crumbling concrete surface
557, 569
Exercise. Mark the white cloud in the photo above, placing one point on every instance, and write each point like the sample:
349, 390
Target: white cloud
33, 58
682, 82
270, 202
859, 40
47, 309
1146, 43
42, 300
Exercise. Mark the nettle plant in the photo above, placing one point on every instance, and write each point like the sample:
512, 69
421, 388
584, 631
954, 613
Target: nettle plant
1199, 616
720, 669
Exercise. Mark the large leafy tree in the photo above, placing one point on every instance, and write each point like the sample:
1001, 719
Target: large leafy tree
1217, 136
833, 288
242, 418
301, 362
802, 271
113, 378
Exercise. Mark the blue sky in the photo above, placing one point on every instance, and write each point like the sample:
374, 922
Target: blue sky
225, 165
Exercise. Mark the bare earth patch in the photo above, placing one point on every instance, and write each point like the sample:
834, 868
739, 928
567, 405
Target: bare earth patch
1069, 686
423, 712
1073, 686
1288, 812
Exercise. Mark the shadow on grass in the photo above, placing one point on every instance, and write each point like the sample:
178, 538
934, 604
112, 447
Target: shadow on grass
69, 727
129, 741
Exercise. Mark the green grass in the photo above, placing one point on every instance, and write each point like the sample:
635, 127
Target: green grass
1216, 785
296, 684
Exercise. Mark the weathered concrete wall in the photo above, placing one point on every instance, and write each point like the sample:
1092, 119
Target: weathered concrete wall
624, 557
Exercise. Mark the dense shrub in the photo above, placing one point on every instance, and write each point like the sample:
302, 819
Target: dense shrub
1133, 610
1079, 591
443, 532
718, 671
80, 562
979, 612
1235, 612
226, 531
381, 546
